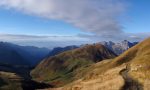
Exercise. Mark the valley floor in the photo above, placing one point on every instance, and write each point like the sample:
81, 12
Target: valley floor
11, 81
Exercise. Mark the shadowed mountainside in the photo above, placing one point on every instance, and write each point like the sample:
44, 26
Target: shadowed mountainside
21, 55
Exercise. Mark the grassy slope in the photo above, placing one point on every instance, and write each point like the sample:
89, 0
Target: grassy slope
64, 68
106, 75
94, 80
138, 58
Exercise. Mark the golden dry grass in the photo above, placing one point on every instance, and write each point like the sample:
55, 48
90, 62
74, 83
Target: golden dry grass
109, 80
105, 75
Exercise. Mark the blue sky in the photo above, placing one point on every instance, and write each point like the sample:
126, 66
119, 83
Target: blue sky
86, 23
139, 16
13, 22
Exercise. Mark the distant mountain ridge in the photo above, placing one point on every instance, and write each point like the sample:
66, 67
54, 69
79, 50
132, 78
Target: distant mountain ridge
58, 50
117, 48
120, 47
21, 55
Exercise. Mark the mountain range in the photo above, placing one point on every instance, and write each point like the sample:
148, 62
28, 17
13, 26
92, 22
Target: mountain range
21, 55
129, 71
118, 48
30, 55
95, 66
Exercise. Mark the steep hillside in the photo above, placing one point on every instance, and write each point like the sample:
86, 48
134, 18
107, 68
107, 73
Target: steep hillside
130, 70
63, 68
138, 59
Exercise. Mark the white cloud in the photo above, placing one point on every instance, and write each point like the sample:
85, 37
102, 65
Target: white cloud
96, 16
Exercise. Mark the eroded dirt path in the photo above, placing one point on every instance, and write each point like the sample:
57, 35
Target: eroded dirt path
130, 84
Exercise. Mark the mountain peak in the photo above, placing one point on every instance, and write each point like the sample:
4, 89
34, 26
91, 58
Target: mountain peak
120, 47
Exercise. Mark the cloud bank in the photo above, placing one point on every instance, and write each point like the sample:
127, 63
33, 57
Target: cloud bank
36, 38
54, 41
133, 37
43, 41
96, 16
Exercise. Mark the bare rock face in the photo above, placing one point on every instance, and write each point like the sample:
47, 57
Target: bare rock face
119, 48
